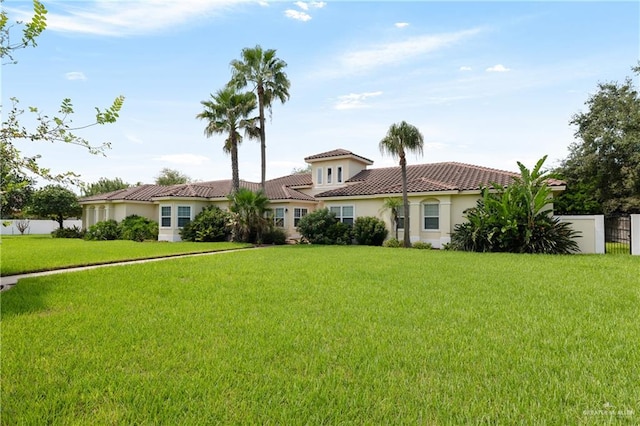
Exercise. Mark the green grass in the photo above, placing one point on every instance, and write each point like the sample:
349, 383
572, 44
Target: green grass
31, 253
618, 248
327, 335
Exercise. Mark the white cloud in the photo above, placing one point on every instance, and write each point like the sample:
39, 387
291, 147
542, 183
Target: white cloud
398, 52
498, 68
297, 15
302, 5
465, 68
401, 24
183, 159
75, 75
133, 138
317, 4
109, 18
354, 100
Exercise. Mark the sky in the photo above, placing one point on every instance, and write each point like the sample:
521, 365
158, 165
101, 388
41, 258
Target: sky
486, 83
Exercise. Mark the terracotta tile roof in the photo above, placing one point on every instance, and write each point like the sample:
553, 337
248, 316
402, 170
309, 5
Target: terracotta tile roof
136, 193
448, 176
337, 153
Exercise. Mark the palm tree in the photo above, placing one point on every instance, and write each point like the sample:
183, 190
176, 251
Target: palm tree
248, 209
227, 112
265, 71
393, 204
403, 137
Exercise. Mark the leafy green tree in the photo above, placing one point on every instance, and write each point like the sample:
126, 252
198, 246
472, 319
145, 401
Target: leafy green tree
516, 218
55, 202
227, 112
265, 71
301, 170
400, 138
58, 128
16, 193
102, 186
602, 170
249, 219
169, 176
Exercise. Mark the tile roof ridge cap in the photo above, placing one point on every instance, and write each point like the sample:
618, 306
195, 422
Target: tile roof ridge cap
475, 166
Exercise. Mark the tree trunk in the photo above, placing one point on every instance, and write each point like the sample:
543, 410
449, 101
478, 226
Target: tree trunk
60, 221
263, 137
405, 200
235, 174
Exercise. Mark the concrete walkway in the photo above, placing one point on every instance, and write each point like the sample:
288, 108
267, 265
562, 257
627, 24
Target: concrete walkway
9, 281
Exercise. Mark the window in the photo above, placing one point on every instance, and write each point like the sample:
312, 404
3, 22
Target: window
298, 213
184, 215
431, 216
165, 216
339, 174
343, 213
329, 175
319, 175
278, 217
400, 219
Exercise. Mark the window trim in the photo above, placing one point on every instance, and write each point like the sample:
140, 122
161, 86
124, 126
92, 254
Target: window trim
424, 216
341, 216
163, 216
276, 217
319, 175
339, 174
178, 216
400, 218
296, 218
329, 175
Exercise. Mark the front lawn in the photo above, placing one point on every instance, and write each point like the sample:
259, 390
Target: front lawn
327, 335
31, 253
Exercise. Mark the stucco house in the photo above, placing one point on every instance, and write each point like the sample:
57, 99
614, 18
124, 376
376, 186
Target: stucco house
339, 180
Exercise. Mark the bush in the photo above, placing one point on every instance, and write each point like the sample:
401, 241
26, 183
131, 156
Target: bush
105, 230
210, 225
369, 231
138, 228
322, 227
275, 235
393, 243
421, 245
73, 232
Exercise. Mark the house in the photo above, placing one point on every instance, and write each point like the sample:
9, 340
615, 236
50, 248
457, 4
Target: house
340, 180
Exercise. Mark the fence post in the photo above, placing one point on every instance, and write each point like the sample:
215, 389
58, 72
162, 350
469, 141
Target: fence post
635, 234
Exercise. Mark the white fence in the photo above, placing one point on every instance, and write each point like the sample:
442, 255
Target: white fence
10, 227
635, 234
591, 232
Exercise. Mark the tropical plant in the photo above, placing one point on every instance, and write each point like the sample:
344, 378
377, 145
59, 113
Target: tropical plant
402, 137
210, 225
248, 218
227, 112
55, 202
516, 218
265, 71
393, 205
369, 231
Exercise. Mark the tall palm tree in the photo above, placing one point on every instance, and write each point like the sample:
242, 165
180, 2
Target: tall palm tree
403, 137
227, 112
265, 71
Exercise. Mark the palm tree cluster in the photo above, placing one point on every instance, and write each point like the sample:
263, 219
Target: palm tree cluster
229, 110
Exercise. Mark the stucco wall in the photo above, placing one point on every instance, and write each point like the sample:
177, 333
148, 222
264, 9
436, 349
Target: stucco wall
591, 228
36, 226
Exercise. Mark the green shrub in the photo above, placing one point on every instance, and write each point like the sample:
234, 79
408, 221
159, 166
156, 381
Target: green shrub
393, 243
275, 235
210, 225
105, 230
341, 234
369, 231
73, 232
421, 245
322, 227
138, 228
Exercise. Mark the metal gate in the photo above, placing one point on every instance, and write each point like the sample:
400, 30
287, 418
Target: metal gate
617, 234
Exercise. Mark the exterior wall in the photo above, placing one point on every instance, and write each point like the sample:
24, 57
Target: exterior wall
36, 226
93, 213
289, 215
591, 228
349, 166
172, 232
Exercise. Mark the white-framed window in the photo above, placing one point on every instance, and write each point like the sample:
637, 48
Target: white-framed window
343, 213
400, 218
431, 216
165, 216
184, 215
319, 175
339, 173
329, 175
298, 213
278, 216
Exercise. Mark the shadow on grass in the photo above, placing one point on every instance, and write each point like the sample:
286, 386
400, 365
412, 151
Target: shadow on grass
26, 297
